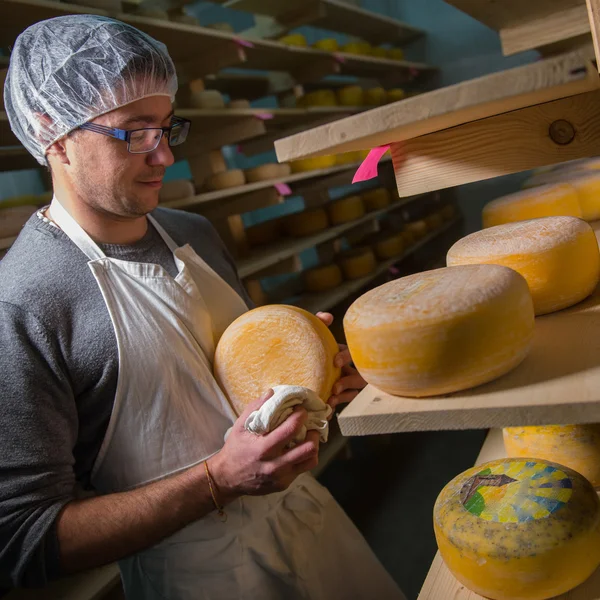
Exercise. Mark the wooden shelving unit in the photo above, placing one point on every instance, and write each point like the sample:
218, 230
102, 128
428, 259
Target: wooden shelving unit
16, 158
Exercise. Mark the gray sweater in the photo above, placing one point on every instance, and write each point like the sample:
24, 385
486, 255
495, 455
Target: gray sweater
58, 377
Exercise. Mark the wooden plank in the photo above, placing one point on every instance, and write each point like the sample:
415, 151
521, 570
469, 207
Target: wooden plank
507, 143
486, 96
593, 8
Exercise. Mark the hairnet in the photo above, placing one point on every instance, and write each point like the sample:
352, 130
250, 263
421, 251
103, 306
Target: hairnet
69, 70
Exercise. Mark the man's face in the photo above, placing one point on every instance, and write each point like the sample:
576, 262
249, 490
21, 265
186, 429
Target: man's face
109, 178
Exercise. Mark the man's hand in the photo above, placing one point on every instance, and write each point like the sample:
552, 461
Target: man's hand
255, 465
350, 383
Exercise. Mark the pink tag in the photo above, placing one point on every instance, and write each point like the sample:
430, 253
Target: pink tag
244, 43
413, 72
339, 57
264, 116
394, 270
368, 169
284, 189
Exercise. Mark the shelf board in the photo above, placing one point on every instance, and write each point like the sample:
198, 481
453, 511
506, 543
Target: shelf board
326, 300
250, 86
448, 107
16, 158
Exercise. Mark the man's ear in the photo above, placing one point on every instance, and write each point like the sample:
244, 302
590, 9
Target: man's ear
58, 152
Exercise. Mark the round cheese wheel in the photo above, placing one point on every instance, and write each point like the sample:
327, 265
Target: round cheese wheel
263, 173
307, 222
395, 53
418, 229
544, 201
395, 95
319, 98
434, 221
351, 95
294, 39
228, 179
176, 190
256, 292
345, 210
239, 104
313, 164
357, 263
442, 330
12, 219
379, 52
327, 44
275, 345
448, 212
575, 446
558, 256
363, 48
375, 96
588, 189
264, 233
284, 170
389, 246
519, 528
208, 99
197, 85
347, 158
376, 199
322, 278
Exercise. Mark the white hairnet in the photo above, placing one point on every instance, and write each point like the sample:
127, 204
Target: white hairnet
69, 70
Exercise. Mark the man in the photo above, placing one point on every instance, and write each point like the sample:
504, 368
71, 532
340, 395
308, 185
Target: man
109, 313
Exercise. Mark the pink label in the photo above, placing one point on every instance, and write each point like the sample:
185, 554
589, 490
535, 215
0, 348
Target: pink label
339, 57
264, 116
284, 189
413, 72
244, 43
368, 169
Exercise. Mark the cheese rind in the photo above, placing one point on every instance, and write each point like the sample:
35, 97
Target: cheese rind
322, 278
345, 210
303, 165
558, 256
266, 232
519, 529
389, 246
306, 222
357, 263
275, 345
442, 330
376, 199
588, 190
176, 190
228, 179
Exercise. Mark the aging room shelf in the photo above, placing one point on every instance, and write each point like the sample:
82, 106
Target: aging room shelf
15, 158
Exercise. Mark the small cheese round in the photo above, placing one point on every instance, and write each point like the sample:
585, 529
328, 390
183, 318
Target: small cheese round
347, 158
434, 221
264, 233
12, 219
588, 189
176, 190
376, 199
346, 210
395, 53
228, 179
263, 173
363, 48
327, 44
322, 278
303, 165
441, 331
389, 246
256, 292
558, 256
544, 201
519, 528
379, 52
357, 263
375, 96
418, 229
575, 446
208, 99
284, 170
306, 222
319, 98
351, 95
294, 39
395, 95
275, 345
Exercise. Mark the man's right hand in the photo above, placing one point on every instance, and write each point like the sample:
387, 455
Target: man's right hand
257, 465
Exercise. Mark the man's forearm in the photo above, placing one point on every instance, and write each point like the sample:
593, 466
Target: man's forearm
100, 530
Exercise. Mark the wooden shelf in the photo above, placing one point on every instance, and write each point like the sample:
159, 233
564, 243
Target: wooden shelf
250, 86
327, 300
17, 158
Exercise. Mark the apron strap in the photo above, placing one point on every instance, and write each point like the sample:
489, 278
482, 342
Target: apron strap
163, 234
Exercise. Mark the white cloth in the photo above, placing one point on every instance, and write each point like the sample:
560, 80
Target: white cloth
281, 405
170, 414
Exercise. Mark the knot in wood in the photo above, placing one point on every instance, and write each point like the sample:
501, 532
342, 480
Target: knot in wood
562, 132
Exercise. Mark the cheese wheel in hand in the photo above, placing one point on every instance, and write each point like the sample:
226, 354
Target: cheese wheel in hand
322, 278
306, 222
345, 210
575, 446
543, 201
442, 330
519, 528
275, 345
558, 256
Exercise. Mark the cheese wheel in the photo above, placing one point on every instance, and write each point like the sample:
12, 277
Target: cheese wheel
395, 95
197, 85
327, 45
376, 199
208, 99
12, 219
357, 263
217, 162
448, 212
389, 246
319, 98
588, 190
176, 190
575, 446
351, 95
256, 292
522, 529
434, 221
375, 96
347, 158
313, 164
545, 201
362, 48
322, 278
442, 330
228, 179
263, 173
345, 210
395, 53
284, 170
294, 39
28, 200
264, 233
379, 52
418, 229
558, 256
275, 345
239, 104
306, 223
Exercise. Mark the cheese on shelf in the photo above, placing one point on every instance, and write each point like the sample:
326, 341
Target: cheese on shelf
264, 233
306, 223
544, 201
322, 278
263, 173
389, 246
418, 229
294, 39
275, 345
318, 98
395, 95
241, 103
395, 53
520, 528
441, 331
228, 179
375, 96
588, 190
327, 44
313, 164
351, 95
209, 99
345, 210
558, 256
347, 158
357, 48
357, 263
575, 446
176, 190
376, 199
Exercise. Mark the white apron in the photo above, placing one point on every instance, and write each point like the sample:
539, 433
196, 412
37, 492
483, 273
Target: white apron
170, 414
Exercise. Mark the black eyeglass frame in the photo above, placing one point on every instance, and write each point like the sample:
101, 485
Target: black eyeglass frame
125, 134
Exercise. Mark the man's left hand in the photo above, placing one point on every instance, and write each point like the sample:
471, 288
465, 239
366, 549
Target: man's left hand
350, 383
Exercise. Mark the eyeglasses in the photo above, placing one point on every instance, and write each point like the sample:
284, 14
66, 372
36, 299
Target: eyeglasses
142, 141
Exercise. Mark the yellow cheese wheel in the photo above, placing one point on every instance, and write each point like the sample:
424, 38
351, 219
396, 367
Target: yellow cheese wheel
558, 256
588, 190
448, 212
263, 173
322, 278
442, 330
197, 85
389, 246
241, 103
545, 201
275, 345
12, 219
395, 95
418, 229
575, 446
228, 179
294, 39
207, 99
379, 52
357, 263
396, 53
256, 292
519, 528
217, 162
346, 210
284, 170
264, 233
176, 190
347, 158
327, 44
351, 95
376, 199
319, 98
375, 96
434, 221
313, 164
306, 223
363, 48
